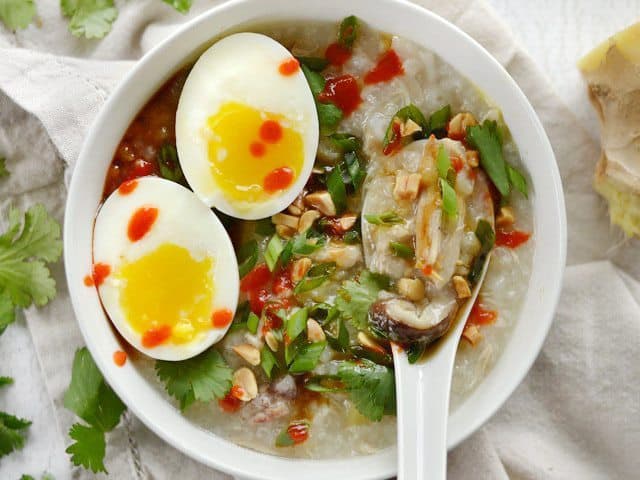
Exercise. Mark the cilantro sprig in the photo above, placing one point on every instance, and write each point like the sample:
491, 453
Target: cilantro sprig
356, 296
370, 386
30, 242
202, 378
12, 428
93, 400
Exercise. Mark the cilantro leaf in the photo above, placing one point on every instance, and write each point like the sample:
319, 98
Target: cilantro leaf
17, 14
486, 138
3, 168
89, 396
12, 432
337, 189
89, 18
371, 387
202, 378
517, 180
30, 241
355, 297
7, 311
182, 6
329, 115
89, 447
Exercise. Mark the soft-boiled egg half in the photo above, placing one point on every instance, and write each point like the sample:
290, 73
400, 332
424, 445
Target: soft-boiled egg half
165, 268
246, 127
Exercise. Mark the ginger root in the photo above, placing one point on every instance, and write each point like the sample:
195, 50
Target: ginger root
612, 71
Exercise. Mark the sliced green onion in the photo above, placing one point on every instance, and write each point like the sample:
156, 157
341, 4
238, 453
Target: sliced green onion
517, 180
438, 121
317, 64
449, 200
252, 322
401, 250
356, 172
384, 219
345, 142
324, 384
337, 190
273, 251
247, 257
348, 31
265, 227
410, 112
415, 352
316, 276
307, 357
169, 164
352, 237
267, 360
297, 323
443, 162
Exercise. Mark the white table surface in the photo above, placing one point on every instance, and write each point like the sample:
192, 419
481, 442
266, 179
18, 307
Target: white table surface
554, 32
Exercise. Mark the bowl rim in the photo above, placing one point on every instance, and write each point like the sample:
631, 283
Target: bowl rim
223, 454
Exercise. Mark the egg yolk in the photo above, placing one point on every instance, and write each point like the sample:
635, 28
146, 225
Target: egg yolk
167, 288
245, 147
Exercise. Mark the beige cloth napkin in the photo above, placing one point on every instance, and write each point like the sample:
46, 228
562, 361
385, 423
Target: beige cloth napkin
576, 415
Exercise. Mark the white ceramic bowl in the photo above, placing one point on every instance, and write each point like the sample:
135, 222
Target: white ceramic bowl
396, 16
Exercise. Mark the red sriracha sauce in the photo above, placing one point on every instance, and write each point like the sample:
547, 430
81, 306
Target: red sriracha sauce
278, 179
511, 238
141, 222
388, 67
270, 131
257, 149
156, 336
127, 187
221, 318
343, 92
256, 278
141, 168
99, 272
481, 316
119, 358
289, 67
230, 403
298, 432
337, 55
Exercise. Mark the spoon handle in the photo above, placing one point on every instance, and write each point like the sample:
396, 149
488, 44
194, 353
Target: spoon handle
423, 409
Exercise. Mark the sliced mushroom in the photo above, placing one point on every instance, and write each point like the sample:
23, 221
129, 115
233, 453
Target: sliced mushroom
404, 322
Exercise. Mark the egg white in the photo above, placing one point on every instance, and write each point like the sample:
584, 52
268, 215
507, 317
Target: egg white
182, 220
242, 68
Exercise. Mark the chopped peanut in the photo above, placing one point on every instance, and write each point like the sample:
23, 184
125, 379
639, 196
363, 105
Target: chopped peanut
347, 221
321, 201
472, 158
286, 220
307, 219
299, 201
409, 128
462, 286
271, 341
248, 352
412, 288
294, 210
245, 381
285, 231
471, 334
457, 127
300, 268
407, 185
368, 342
314, 331
505, 217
